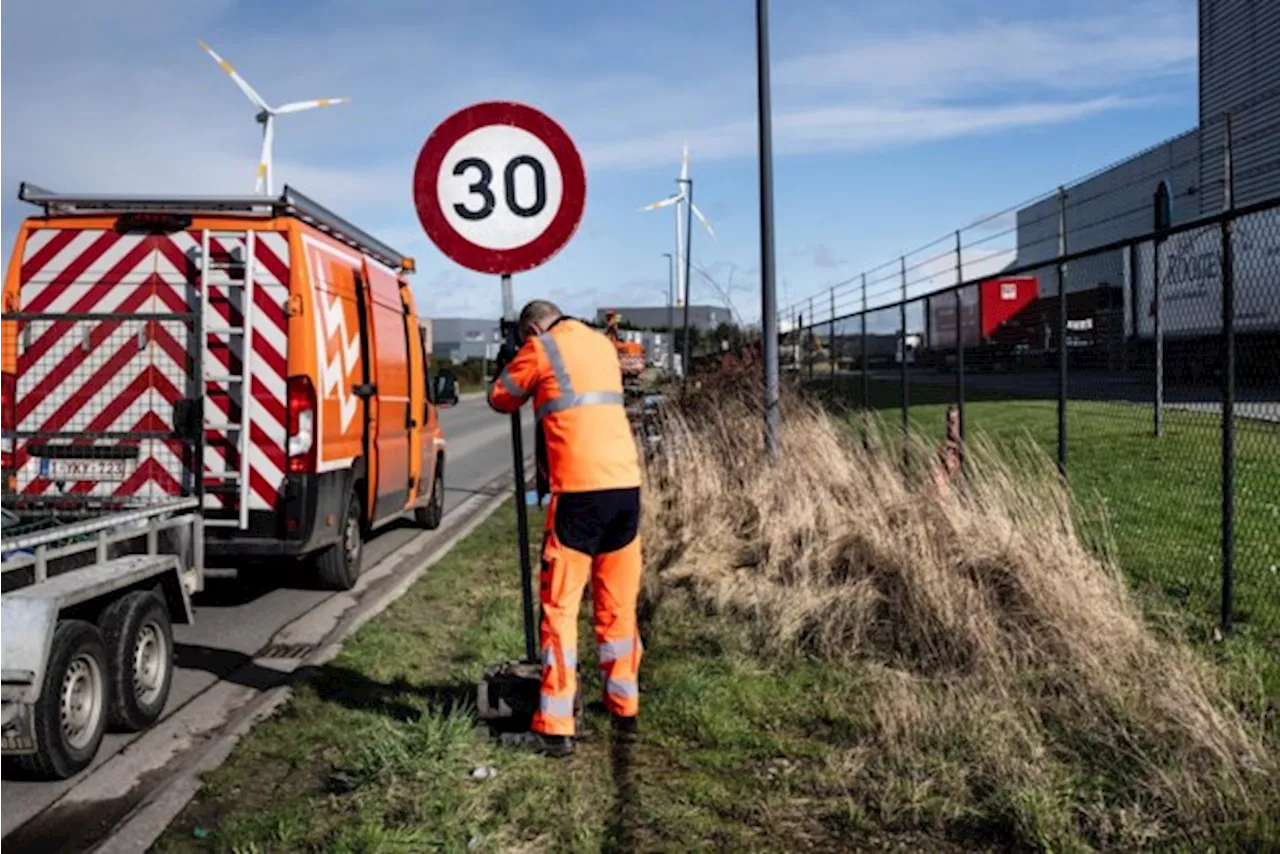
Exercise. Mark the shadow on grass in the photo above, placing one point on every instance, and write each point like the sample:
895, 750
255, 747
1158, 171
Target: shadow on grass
622, 832
353, 690
333, 684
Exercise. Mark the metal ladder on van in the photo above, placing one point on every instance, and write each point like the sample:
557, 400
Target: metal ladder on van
231, 275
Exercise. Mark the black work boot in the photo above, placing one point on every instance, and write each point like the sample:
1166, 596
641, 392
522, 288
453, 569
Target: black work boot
555, 746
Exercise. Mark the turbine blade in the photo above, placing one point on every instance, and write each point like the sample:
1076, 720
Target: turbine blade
299, 106
237, 79
684, 163
705, 224
664, 203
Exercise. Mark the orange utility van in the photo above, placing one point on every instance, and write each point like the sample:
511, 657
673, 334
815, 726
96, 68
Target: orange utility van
258, 352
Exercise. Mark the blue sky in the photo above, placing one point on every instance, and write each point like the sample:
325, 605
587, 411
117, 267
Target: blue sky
895, 122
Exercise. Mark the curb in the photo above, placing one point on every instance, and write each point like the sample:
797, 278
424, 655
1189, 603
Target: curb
140, 828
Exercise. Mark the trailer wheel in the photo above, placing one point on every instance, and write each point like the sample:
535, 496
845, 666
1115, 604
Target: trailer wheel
429, 516
139, 641
338, 566
71, 714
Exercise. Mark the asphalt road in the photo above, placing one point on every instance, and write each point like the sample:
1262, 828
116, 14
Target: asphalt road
236, 618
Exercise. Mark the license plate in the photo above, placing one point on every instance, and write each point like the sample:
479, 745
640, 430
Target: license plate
84, 469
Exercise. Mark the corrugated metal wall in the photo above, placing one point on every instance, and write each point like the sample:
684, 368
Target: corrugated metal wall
1240, 73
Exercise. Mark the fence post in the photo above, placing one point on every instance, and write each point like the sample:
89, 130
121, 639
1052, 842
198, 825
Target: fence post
902, 340
812, 324
831, 345
862, 357
1228, 389
1062, 332
959, 348
1162, 222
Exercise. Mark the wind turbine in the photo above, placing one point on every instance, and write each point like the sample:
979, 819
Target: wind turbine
679, 200
266, 117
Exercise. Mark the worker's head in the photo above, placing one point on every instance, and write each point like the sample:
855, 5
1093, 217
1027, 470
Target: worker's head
537, 317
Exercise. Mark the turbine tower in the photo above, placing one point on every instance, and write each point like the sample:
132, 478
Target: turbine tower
679, 200
266, 117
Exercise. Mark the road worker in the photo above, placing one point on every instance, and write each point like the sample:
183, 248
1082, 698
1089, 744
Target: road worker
592, 533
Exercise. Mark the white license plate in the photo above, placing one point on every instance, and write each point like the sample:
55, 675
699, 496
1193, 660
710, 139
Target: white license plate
84, 469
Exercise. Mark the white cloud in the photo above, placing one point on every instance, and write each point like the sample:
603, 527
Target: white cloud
1129, 44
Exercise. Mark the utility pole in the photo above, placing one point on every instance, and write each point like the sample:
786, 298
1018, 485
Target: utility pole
768, 297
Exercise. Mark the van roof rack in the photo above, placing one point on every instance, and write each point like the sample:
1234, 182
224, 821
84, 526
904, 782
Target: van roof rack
289, 203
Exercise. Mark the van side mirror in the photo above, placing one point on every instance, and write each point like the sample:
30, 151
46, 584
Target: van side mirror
446, 389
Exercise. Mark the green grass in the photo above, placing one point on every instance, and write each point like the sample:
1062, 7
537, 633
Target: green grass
375, 752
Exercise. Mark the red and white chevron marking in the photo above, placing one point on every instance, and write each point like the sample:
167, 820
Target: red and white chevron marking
76, 376
79, 376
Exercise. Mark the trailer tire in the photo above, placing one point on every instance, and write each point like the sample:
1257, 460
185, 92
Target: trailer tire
338, 566
431, 515
71, 714
139, 639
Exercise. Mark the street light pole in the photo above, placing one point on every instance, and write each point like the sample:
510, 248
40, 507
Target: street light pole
671, 313
768, 295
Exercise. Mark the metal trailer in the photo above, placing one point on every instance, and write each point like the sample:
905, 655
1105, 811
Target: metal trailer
104, 487
86, 633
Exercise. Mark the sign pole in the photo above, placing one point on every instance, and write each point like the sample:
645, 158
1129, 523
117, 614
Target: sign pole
503, 174
522, 511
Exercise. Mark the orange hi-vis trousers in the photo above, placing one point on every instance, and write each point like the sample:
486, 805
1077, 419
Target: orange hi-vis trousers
590, 535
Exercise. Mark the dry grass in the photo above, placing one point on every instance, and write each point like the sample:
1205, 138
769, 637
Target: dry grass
1013, 685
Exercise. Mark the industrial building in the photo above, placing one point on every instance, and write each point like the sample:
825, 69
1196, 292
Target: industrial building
460, 338
1111, 299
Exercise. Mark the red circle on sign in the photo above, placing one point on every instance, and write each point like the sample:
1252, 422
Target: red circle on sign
467, 253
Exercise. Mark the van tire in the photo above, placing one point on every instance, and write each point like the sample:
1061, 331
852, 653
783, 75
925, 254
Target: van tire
77, 674
430, 515
139, 640
338, 566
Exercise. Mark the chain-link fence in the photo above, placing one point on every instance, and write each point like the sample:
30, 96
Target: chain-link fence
1135, 335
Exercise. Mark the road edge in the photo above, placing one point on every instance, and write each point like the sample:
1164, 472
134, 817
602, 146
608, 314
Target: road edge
142, 826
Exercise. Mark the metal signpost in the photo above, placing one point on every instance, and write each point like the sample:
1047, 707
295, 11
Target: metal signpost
500, 188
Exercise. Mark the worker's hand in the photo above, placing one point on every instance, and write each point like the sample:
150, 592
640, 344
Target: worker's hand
506, 353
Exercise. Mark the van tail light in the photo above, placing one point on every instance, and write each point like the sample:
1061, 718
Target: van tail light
302, 425
8, 417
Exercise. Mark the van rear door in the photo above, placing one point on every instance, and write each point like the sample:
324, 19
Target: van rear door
102, 370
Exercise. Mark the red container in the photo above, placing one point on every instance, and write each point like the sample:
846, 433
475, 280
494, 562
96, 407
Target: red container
1002, 299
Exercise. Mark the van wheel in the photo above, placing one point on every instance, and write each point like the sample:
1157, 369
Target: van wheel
71, 714
429, 516
338, 566
139, 641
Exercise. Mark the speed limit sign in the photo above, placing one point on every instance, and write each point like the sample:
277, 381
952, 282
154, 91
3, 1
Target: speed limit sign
499, 187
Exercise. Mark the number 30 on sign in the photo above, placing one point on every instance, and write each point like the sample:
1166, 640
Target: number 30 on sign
499, 187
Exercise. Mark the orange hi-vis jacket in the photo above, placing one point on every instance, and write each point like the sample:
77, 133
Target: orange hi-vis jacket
572, 373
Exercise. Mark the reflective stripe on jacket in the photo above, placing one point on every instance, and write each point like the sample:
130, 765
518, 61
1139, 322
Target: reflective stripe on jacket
572, 373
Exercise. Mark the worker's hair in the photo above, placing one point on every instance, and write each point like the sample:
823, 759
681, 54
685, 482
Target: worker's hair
539, 311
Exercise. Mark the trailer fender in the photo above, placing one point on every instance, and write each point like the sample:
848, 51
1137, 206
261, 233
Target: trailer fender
26, 634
